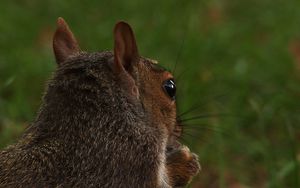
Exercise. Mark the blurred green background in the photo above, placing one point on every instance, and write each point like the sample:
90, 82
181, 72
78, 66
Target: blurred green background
238, 71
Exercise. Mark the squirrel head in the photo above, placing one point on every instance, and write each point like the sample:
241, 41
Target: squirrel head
123, 76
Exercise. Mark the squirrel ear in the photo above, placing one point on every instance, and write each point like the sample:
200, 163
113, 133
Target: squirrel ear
125, 50
64, 42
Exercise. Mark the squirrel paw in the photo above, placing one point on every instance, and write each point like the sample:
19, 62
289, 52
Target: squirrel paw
182, 165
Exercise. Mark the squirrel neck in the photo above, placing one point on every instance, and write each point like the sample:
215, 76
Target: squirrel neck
73, 118
118, 139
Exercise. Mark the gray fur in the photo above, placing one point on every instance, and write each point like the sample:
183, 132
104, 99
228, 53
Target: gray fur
87, 133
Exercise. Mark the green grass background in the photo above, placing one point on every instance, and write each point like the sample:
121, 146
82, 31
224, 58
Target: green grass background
235, 68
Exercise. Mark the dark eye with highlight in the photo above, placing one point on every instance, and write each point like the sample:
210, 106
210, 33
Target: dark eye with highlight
170, 88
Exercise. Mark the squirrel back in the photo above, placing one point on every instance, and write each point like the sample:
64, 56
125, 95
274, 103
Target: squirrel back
106, 120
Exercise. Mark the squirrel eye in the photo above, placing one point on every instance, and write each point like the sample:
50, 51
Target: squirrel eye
170, 88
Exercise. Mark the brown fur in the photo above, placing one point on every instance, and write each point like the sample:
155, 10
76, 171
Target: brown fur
105, 121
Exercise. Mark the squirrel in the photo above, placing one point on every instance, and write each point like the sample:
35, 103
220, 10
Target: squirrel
107, 119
